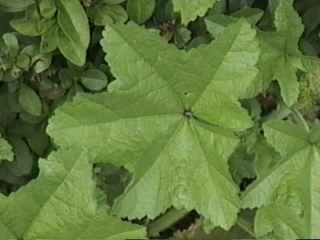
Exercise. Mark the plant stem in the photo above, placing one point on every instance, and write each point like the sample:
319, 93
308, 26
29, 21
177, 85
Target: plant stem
166, 221
301, 119
247, 227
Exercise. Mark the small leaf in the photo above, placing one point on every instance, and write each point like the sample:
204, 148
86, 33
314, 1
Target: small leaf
66, 78
47, 8
217, 23
61, 204
106, 14
32, 24
30, 101
15, 5
23, 61
140, 10
73, 22
191, 9
253, 15
183, 35
112, 2
11, 42
94, 80
73, 52
49, 40
26, 27
41, 63
5, 150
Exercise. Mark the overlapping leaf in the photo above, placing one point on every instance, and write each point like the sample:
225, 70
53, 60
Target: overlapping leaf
191, 9
74, 34
288, 193
15, 5
217, 22
280, 55
61, 204
169, 118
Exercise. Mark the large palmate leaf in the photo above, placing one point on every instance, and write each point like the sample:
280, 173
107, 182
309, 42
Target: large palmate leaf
61, 204
280, 55
169, 118
191, 9
288, 193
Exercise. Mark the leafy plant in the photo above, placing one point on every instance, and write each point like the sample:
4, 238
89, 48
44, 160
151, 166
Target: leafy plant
175, 119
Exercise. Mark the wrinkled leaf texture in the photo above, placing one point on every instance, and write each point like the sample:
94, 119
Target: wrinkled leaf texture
169, 118
60, 204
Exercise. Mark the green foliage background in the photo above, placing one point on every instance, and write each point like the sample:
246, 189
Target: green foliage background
181, 119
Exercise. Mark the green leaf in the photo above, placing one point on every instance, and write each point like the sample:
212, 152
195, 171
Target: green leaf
11, 43
71, 50
253, 15
288, 192
169, 118
49, 40
94, 80
30, 101
35, 135
140, 10
288, 23
32, 24
241, 161
113, 2
290, 28
23, 61
26, 27
280, 56
216, 23
47, 8
182, 36
60, 204
15, 5
23, 161
5, 150
41, 62
103, 14
74, 34
73, 21
190, 9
